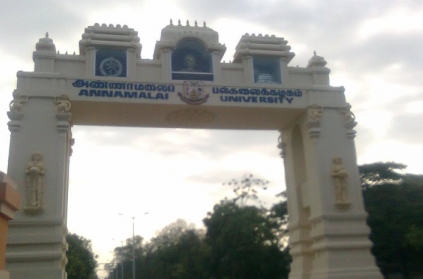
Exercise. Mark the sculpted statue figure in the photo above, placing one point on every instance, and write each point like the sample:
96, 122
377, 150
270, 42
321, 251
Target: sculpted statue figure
34, 181
63, 104
190, 64
339, 175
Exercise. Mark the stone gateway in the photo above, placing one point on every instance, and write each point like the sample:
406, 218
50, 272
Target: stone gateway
186, 85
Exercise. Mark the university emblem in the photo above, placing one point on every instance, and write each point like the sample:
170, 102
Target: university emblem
193, 93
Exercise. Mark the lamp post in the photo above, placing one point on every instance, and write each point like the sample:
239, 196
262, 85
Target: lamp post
133, 248
122, 259
133, 244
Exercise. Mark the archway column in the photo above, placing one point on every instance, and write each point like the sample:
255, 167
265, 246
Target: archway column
39, 162
299, 225
327, 226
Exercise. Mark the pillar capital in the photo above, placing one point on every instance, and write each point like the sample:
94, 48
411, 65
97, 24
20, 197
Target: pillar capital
313, 120
349, 120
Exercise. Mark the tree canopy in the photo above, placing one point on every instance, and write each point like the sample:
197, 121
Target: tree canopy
394, 201
243, 243
381, 173
81, 259
245, 240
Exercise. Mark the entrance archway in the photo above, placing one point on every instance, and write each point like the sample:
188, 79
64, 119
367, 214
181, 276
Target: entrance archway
109, 84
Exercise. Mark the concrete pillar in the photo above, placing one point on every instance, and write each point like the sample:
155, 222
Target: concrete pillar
247, 62
39, 162
10, 201
298, 203
328, 230
217, 69
166, 64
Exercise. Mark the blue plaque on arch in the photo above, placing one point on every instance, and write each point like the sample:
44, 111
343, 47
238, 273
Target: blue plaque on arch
111, 62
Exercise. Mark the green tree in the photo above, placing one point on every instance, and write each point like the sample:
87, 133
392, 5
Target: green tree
394, 201
381, 173
180, 255
178, 251
246, 189
123, 256
243, 244
278, 216
81, 259
171, 234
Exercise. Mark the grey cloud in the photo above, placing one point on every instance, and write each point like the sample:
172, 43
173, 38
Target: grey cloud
219, 188
364, 138
24, 22
329, 28
383, 50
216, 144
311, 20
226, 142
215, 177
408, 128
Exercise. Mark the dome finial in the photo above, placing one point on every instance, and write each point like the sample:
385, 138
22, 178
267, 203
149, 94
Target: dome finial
315, 53
179, 22
204, 24
187, 22
196, 25
46, 34
171, 22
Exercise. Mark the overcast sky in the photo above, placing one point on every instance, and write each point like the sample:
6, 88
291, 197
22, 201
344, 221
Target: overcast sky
373, 48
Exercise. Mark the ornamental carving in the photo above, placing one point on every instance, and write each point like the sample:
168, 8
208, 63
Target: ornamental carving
63, 104
339, 177
313, 120
349, 117
190, 117
16, 104
34, 183
71, 143
314, 113
283, 140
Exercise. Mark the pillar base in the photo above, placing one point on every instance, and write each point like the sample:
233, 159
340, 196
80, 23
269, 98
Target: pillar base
37, 250
37, 273
4, 274
342, 247
359, 273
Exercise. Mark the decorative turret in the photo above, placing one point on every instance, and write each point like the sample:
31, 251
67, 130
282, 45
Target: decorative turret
172, 34
44, 55
45, 44
320, 72
316, 62
110, 36
270, 46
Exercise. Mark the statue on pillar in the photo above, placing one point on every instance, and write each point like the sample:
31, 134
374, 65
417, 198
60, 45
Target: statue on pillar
339, 176
34, 183
63, 104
